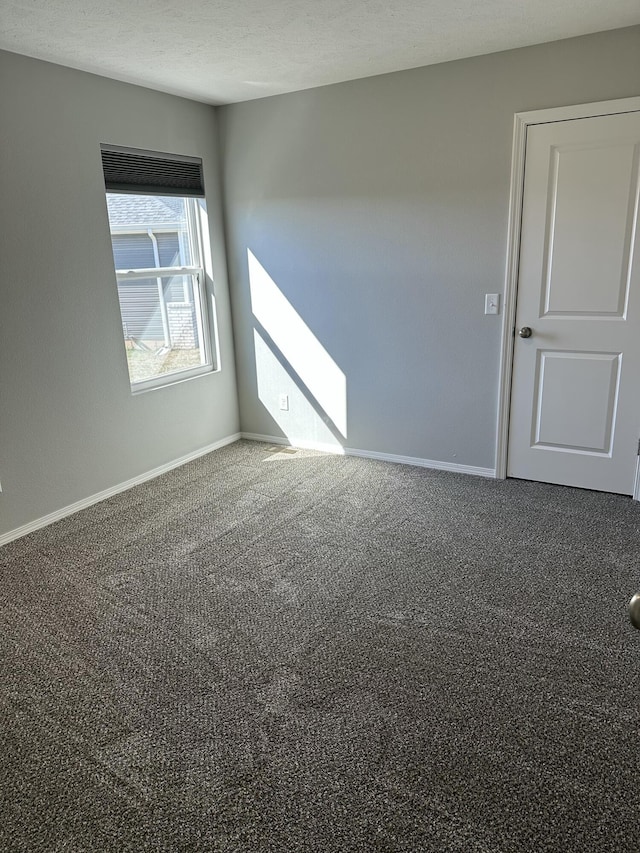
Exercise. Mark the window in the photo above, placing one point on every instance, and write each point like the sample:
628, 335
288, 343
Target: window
156, 214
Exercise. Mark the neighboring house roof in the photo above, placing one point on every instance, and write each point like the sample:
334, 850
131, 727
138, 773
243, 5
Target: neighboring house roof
144, 210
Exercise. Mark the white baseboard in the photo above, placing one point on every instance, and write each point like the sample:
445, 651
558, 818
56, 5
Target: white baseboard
113, 490
59, 514
454, 467
382, 457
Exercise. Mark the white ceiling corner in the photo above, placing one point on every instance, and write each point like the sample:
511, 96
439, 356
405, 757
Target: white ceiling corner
238, 50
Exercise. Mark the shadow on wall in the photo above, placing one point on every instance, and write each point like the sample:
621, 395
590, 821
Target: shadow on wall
291, 363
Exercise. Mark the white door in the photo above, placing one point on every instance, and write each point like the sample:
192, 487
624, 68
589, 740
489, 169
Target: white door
575, 398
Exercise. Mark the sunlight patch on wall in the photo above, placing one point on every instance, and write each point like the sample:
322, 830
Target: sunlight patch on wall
301, 424
308, 359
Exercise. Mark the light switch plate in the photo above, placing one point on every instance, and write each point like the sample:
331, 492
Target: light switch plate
492, 303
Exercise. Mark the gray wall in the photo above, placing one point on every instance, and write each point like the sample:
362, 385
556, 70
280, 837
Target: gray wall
69, 426
376, 215
378, 209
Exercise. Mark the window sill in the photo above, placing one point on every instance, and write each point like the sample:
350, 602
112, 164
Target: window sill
170, 379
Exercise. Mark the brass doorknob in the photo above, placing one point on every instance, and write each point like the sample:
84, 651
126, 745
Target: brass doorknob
525, 332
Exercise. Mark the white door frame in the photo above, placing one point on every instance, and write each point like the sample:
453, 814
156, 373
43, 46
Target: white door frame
522, 121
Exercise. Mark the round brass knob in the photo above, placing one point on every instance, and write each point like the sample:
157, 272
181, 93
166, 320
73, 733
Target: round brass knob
525, 332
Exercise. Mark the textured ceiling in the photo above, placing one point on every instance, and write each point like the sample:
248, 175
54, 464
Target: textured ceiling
236, 50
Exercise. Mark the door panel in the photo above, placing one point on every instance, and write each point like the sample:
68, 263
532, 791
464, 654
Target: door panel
575, 403
589, 218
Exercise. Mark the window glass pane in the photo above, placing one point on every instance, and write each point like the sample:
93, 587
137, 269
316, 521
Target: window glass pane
167, 220
161, 325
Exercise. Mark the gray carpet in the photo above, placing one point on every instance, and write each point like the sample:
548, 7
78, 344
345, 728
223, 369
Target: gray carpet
296, 652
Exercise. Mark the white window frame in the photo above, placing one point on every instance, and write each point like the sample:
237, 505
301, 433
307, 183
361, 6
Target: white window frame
204, 303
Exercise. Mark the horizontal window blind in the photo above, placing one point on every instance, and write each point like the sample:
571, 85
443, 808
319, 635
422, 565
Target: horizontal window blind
133, 171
